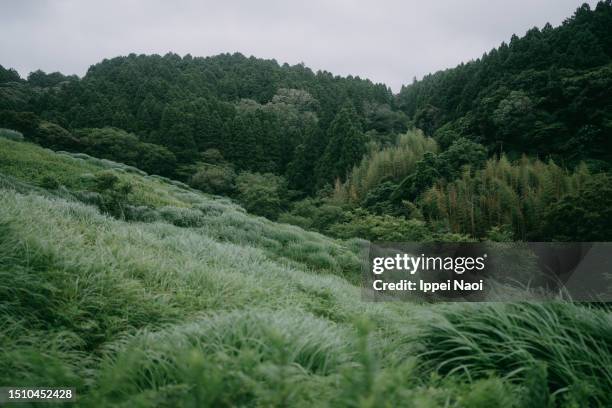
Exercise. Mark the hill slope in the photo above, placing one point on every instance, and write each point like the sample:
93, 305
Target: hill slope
200, 304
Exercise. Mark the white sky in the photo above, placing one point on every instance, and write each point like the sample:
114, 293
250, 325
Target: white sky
388, 41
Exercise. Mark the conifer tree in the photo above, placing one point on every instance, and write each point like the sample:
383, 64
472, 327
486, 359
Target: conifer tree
345, 148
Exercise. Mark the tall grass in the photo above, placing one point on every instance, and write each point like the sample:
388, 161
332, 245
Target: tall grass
204, 305
572, 345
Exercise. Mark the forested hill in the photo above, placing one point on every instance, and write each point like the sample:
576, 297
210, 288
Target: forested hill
548, 92
260, 115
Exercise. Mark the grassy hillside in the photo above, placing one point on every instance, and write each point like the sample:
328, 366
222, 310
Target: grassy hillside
189, 301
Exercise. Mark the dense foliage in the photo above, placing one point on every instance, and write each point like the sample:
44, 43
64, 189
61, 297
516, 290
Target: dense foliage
260, 115
466, 153
388, 164
518, 196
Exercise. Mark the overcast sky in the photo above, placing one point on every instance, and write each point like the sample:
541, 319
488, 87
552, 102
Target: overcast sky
388, 41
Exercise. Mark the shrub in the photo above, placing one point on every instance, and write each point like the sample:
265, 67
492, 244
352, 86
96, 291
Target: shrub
49, 182
113, 193
141, 213
55, 137
25, 122
121, 146
501, 233
214, 179
262, 194
293, 219
182, 217
315, 214
381, 228
212, 156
